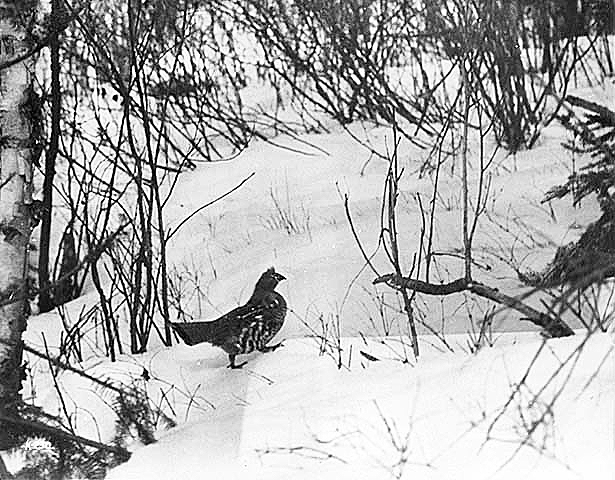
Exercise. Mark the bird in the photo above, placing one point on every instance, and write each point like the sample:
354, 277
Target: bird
246, 328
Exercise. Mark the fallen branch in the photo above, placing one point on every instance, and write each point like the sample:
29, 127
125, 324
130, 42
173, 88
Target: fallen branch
607, 114
554, 326
62, 435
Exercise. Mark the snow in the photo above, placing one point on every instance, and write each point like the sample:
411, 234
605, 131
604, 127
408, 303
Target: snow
323, 262
293, 413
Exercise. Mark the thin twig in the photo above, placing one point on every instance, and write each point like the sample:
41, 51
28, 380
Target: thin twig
226, 194
68, 367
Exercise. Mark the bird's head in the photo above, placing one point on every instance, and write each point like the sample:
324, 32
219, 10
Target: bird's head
269, 280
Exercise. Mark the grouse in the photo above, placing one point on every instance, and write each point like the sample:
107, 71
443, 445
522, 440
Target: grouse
246, 328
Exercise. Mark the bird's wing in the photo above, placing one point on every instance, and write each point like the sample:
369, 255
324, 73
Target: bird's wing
229, 326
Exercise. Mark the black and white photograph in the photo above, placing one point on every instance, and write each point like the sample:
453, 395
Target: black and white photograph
307, 239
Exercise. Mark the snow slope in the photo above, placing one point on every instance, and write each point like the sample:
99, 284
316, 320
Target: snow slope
293, 414
230, 243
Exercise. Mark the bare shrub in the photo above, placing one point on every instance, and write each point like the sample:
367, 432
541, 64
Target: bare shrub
328, 334
517, 58
484, 337
336, 57
142, 102
188, 292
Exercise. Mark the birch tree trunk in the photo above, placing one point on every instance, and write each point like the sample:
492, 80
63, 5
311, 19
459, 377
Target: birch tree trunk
16, 120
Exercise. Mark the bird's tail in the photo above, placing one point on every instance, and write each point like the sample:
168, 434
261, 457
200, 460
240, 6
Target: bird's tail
195, 332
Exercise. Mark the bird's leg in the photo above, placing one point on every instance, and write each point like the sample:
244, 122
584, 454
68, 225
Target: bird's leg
232, 364
271, 348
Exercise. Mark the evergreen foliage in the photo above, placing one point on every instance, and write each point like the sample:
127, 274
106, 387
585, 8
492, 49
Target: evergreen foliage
137, 419
53, 454
595, 249
50, 455
596, 133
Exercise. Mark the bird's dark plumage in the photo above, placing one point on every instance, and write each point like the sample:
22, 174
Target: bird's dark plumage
246, 328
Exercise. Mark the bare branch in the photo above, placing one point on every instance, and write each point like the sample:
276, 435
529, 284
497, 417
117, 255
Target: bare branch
554, 326
208, 204
62, 435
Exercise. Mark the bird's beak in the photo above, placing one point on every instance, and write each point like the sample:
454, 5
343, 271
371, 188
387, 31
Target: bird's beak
279, 277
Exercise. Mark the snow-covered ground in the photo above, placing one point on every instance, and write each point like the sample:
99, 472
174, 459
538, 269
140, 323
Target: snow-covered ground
230, 243
292, 413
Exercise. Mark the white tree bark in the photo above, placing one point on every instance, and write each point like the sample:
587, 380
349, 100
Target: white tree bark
15, 196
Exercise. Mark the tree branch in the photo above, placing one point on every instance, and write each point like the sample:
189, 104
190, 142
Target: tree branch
66, 366
555, 326
601, 110
57, 24
423, 287
62, 435
181, 224
91, 257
